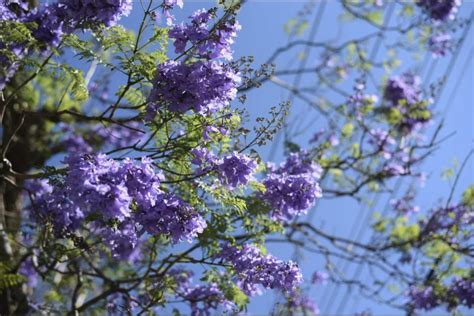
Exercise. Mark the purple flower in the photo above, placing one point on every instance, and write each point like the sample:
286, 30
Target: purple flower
440, 44
202, 298
205, 43
51, 24
405, 87
122, 241
319, 277
27, 269
253, 269
204, 87
395, 170
89, 12
405, 205
236, 169
127, 194
203, 158
440, 10
403, 94
173, 217
167, 6
292, 188
382, 141
423, 297
463, 289
300, 304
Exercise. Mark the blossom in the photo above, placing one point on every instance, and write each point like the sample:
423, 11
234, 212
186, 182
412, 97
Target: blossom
51, 25
463, 289
202, 297
173, 217
206, 43
382, 141
440, 10
122, 240
404, 205
167, 6
236, 169
204, 87
126, 194
407, 109
405, 87
423, 297
89, 12
254, 269
204, 158
292, 188
440, 44
301, 304
320, 277
27, 269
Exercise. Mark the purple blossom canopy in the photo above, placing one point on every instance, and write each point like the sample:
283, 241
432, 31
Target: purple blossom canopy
254, 269
292, 188
204, 87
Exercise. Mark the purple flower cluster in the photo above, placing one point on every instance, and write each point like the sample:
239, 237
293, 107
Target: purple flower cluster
204, 158
463, 289
171, 216
121, 201
292, 188
236, 169
359, 98
85, 13
404, 94
405, 205
440, 10
423, 297
204, 87
319, 277
167, 6
383, 142
51, 25
233, 170
254, 269
27, 269
206, 43
405, 87
444, 219
11, 11
202, 297
55, 20
300, 304
440, 44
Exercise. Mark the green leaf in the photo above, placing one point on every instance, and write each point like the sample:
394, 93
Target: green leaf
468, 196
347, 130
375, 17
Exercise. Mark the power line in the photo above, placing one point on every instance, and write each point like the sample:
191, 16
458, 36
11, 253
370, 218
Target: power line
296, 82
327, 298
359, 269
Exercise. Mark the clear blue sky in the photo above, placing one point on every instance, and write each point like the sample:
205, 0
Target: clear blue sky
262, 32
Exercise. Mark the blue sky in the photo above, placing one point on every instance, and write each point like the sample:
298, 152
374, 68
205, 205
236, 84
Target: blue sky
262, 33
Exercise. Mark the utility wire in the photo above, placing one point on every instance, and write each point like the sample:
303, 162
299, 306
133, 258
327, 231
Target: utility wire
360, 267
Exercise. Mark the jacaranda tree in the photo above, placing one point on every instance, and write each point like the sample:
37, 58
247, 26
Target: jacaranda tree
132, 180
